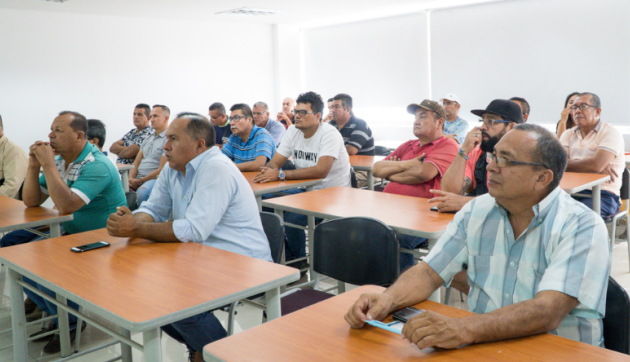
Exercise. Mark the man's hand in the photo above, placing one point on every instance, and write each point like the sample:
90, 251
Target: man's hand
328, 117
610, 171
267, 175
286, 118
452, 136
564, 115
430, 329
43, 153
134, 183
448, 201
416, 161
473, 138
122, 223
372, 306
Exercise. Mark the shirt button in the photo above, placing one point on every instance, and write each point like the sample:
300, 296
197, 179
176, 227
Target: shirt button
512, 264
507, 296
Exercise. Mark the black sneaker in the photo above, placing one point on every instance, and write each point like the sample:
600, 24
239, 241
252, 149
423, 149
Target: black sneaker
54, 346
29, 306
36, 314
49, 328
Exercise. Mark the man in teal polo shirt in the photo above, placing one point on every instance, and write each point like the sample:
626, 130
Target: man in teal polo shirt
80, 180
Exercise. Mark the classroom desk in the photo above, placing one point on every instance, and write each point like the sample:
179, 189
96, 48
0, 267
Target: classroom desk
365, 163
574, 182
276, 186
124, 175
137, 284
405, 214
320, 333
14, 215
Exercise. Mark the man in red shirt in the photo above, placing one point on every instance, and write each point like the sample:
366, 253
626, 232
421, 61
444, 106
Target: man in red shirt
417, 166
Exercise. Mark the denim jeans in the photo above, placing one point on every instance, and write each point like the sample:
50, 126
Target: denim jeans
144, 191
196, 331
408, 242
609, 202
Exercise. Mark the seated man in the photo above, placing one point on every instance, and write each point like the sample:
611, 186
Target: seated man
80, 180
417, 166
594, 146
13, 164
218, 210
221, 124
318, 152
249, 146
357, 135
455, 127
96, 135
524, 105
150, 159
286, 116
537, 259
128, 147
261, 119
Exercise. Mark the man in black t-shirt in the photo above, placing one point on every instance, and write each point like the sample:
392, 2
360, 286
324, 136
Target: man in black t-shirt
219, 120
357, 136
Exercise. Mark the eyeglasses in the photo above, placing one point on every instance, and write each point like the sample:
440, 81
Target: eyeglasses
446, 104
491, 122
504, 162
259, 113
583, 106
236, 118
302, 112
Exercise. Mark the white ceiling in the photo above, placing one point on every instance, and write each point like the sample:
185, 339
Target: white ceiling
311, 12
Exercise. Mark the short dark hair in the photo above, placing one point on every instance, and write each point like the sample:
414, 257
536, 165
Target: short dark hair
1, 125
219, 107
78, 123
597, 103
330, 100
198, 127
548, 151
261, 105
96, 129
346, 100
524, 102
314, 99
164, 108
244, 108
147, 109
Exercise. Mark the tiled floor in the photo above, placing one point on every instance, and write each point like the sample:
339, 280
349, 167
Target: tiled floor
247, 317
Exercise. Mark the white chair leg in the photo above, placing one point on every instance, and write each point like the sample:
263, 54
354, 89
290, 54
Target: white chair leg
231, 313
77, 339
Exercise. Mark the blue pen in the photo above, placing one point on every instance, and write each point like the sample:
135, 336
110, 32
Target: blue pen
385, 326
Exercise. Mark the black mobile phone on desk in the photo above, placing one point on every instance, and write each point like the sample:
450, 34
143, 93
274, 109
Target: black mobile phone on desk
88, 247
406, 314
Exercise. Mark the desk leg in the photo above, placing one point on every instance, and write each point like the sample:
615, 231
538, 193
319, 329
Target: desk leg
125, 349
124, 178
64, 328
55, 230
259, 202
311, 249
370, 180
152, 345
282, 256
18, 319
273, 304
597, 199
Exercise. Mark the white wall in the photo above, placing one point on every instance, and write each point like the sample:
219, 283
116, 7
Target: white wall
537, 49
102, 66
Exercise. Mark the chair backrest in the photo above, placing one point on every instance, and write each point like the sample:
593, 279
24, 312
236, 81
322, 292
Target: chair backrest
132, 200
625, 184
617, 319
353, 178
357, 250
381, 151
274, 229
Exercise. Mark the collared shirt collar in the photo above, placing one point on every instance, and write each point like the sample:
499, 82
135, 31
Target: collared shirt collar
598, 126
193, 164
541, 209
439, 139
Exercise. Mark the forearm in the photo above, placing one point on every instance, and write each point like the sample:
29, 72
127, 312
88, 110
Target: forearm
589, 165
306, 173
128, 152
351, 150
31, 194
151, 175
453, 179
116, 148
408, 178
414, 286
59, 191
384, 169
254, 165
155, 231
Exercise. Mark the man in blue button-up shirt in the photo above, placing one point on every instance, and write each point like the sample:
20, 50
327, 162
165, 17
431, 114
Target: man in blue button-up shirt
211, 203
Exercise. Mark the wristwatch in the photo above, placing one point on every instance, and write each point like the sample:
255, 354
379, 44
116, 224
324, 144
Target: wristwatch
281, 175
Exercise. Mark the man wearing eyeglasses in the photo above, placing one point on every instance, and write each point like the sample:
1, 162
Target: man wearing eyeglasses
537, 259
594, 146
249, 146
467, 176
318, 152
220, 122
261, 118
356, 134
455, 127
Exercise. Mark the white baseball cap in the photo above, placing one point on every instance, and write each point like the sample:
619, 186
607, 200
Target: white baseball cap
450, 97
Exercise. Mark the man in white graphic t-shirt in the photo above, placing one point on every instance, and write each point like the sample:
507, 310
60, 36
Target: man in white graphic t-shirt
318, 152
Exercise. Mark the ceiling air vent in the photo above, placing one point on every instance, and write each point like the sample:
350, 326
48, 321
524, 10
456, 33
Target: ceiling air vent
245, 11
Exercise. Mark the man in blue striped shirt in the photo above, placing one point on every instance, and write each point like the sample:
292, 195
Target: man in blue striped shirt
537, 259
249, 146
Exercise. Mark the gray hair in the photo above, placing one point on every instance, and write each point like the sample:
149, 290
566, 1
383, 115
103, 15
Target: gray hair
548, 151
597, 103
262, 105
198, 128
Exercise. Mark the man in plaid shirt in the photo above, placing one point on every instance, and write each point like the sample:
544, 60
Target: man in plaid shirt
127, 148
